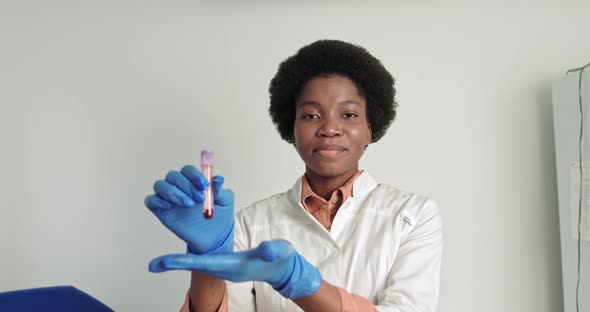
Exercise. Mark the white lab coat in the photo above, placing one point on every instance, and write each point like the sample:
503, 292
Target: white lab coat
384, 244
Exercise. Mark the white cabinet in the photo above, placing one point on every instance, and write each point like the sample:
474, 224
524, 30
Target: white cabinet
567, 124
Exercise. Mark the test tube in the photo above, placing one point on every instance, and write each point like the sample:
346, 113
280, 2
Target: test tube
207, 168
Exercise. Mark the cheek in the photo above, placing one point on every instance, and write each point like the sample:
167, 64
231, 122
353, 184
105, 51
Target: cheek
367, 134
299, 138
362, 135
296, 134
302, 131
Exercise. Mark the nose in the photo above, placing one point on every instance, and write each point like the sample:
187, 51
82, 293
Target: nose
330, 127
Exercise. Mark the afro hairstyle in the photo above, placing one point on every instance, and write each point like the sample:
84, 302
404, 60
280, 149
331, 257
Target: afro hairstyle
332, 57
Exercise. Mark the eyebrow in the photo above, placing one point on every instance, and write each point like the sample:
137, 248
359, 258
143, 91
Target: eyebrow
316, 104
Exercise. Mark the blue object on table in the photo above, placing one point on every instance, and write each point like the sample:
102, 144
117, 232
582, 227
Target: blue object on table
52, 299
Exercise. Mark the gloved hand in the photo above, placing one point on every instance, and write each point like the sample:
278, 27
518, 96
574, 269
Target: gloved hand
275, 262
178, 203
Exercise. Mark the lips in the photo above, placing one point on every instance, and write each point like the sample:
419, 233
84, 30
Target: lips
330, 147
329, 150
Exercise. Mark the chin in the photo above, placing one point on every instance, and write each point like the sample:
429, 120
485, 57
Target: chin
330, 171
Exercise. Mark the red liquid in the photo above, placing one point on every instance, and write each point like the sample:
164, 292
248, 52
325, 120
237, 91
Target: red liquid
208, 203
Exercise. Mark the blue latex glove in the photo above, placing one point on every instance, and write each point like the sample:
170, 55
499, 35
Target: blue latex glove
275, 262
178, 204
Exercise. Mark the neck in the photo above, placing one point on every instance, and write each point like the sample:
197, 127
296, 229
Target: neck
325, 186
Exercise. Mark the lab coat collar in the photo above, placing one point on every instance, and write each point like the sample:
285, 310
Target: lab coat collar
361, 187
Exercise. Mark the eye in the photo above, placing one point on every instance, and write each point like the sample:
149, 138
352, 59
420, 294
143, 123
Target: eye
311, 116
350, 115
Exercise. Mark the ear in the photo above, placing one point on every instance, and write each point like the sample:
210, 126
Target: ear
369, 133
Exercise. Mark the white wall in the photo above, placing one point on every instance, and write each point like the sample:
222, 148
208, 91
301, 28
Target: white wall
98, 101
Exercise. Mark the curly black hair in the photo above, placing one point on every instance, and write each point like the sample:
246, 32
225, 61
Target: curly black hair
333, 57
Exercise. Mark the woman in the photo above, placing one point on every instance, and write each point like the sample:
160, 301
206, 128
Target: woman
336, 241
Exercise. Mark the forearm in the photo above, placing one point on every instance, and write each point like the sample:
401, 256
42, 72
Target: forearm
206, 292
327, 298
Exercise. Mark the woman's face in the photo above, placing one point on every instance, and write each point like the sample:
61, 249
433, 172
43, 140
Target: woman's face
331, 128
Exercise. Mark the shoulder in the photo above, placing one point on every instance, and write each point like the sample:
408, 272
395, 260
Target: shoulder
413, 206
